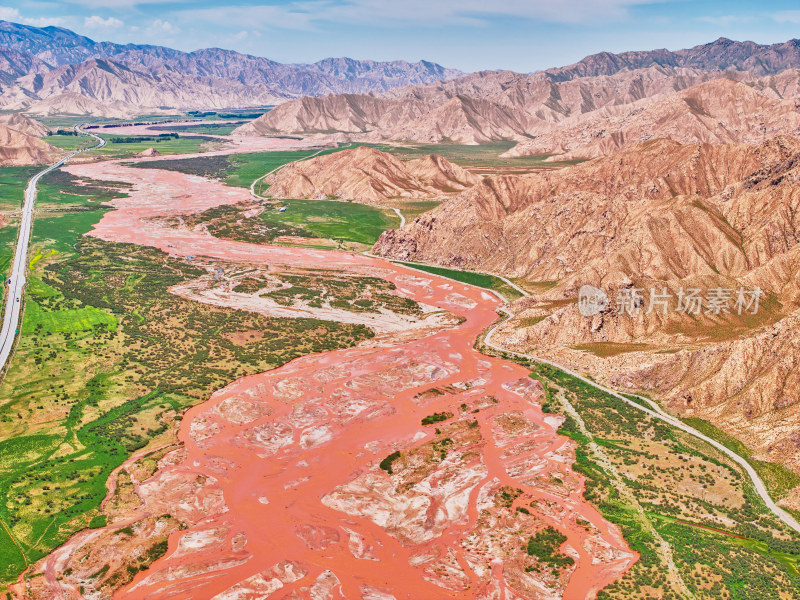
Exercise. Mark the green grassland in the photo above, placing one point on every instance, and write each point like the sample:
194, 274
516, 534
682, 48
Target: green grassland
724, 542
107, 361
478, 156
200, 128
69, 142
236, 114
69, 121
411, 209
323, 220
778, 479
66, 208
117, 146
489, 282
239, 170
345, 221
13, 181
606, 349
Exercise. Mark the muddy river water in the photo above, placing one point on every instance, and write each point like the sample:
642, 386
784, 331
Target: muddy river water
287, 497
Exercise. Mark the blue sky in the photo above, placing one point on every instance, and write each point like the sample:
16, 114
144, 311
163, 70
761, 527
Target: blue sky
523, 35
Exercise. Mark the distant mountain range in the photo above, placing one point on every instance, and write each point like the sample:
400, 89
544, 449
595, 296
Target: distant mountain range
51, 70
600, 95
54, 70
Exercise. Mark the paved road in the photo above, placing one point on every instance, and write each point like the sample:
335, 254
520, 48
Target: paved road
654, 411
15, 282
657, 412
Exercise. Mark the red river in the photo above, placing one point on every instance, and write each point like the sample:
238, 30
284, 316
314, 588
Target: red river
293, 504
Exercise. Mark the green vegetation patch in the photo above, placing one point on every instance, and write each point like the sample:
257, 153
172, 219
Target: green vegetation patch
544, 545
342, 222
607, 349
201, 128
437, 418
484, 280
69, 142
724, 541
351, 293
239, 170
126, 146
13, 181
86, 318
779, 479
479, 156
386, 463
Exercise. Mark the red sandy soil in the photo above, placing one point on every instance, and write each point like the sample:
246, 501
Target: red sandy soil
278, 480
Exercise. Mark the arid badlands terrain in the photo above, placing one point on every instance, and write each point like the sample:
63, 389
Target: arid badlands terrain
336, 351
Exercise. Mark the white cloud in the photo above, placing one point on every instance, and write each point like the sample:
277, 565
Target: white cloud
96, 22
725, 20
304, 14
787, 16
282, 17
159, 26
8, 13
119, 4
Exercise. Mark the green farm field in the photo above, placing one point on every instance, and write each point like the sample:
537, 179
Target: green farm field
480, 156
115, 148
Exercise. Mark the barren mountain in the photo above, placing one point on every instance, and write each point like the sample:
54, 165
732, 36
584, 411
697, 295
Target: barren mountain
662, 216
720, 111
607, 90
37, 64
73, 103
369, 175
472, 109
603, 113
346, 112
23, 124
17, 149
460, 119
720, 55
613, 217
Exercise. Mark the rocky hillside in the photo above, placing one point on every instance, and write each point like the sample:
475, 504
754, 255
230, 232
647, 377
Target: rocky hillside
571, 110
660, 210
664, 216
720, 111
720, 55
23, 124
369, 175
581, 117
472, 109
18, 149
40, 64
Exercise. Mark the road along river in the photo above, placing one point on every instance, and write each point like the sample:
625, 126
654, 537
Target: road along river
16, 280
278, 478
